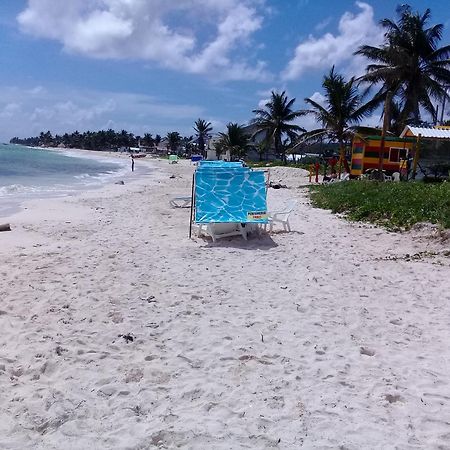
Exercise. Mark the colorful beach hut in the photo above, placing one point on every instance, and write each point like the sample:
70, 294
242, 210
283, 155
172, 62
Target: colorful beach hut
366, 153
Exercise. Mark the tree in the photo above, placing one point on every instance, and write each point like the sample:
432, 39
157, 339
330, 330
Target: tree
343, 109
410, 66
235, 139
173, 141
202, 128
275, 121
46, 138
261, 149
148, 140
91, 140
188, 145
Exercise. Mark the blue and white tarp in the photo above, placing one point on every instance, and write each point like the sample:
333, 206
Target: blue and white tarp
219, 163
230, 194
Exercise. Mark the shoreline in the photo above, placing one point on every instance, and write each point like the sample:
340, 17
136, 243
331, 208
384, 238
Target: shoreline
120, 332
66, 208
15, 203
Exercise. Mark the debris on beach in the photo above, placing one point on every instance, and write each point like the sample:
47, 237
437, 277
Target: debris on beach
5, 227
367, 351
277, 185
121, 182
128, 337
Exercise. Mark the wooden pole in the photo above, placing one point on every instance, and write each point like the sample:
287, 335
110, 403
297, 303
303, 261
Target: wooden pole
192, 205
416, 157
386, 120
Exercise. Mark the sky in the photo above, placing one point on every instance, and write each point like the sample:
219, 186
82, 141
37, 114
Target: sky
155, 66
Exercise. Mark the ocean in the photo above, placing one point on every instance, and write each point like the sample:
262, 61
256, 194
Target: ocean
27, 173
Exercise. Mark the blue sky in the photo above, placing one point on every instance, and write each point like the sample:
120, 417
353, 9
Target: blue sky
156, 65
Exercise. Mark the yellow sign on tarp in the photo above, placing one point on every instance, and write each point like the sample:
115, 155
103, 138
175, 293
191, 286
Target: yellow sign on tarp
256, 215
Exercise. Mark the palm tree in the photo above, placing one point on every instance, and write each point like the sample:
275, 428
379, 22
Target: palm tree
409, 65
261, 149
343, 110
173, 141
148, 140
235, 139
275, 122
202, 128
46, 138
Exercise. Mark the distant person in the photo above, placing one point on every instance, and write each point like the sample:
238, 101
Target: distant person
132, 163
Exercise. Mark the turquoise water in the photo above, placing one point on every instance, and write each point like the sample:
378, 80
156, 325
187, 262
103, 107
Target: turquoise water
27, 173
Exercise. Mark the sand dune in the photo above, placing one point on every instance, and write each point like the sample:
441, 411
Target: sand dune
118, 332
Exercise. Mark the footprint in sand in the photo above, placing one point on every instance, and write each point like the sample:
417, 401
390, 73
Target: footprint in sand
134, 375
367, 351
393, 398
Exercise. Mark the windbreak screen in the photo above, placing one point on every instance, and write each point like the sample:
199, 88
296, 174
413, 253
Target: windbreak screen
230, 196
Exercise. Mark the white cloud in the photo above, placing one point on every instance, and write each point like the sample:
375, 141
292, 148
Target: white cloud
195, 36
328, 50
9, 110
318, 98
63, 111
36, 90
323, 24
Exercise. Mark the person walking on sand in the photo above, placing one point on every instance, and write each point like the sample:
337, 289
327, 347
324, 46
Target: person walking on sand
132, 163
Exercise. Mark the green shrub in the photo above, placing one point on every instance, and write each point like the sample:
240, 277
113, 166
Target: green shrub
394, 205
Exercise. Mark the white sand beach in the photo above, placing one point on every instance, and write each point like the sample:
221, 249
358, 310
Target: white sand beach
119, 332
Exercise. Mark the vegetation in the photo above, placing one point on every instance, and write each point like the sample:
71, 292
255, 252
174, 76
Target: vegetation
99, 140
304, 163
275, 121
343, 110
412, 68
149, 141
173, 141
394, 205
235, 139
202, 128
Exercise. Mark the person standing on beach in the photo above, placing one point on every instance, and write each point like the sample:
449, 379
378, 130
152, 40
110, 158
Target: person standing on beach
132, 163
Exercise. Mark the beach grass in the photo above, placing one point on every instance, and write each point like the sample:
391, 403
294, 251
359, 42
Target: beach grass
393, 205
304, 164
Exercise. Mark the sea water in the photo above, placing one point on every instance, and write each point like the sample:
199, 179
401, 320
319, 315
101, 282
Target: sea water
27, 173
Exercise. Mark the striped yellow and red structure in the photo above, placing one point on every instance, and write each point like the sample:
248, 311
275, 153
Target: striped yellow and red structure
366, 153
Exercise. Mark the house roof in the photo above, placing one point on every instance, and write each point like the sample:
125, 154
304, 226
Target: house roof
427, 133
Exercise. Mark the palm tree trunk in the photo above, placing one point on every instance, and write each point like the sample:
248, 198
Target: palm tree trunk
201, 145
275, 144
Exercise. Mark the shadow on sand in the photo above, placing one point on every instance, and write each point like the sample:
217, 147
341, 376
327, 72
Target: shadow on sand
263, 241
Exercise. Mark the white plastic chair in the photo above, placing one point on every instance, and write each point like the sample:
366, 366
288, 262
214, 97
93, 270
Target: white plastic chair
281, 216
222, 230
180, 202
